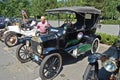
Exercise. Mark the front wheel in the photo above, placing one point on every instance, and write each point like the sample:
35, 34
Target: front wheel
95, 45
50, 66
11, 39
91, 72
23, 53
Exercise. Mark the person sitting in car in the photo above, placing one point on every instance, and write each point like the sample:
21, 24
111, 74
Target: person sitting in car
42, 25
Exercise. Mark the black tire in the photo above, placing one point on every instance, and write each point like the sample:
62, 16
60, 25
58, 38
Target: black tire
50, 66
23, 54
91, 72
95, 45
11, 36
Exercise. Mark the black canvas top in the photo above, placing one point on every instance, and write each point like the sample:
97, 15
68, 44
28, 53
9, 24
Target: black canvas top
76, 9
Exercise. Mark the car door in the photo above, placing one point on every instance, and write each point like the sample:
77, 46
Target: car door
71, 37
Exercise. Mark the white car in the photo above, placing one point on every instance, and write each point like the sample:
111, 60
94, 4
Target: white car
16, 31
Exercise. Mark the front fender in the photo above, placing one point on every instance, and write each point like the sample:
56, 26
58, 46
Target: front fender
48, 50
14, 28
94, 57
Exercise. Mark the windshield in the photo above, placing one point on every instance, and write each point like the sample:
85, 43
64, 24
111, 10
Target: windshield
58, 19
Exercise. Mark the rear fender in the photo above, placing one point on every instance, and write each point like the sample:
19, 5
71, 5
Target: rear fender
98, 36
91, 38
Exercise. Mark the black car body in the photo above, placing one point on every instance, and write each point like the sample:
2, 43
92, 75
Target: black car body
64, 38
74, 39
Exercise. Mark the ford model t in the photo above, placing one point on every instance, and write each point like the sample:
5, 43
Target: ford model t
74, 35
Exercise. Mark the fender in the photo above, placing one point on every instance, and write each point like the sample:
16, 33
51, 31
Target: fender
47, 51
6, 32
14, 29
94, 57
98, 36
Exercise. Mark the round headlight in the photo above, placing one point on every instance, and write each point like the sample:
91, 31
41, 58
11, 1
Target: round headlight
110, 65
39, 49
80, 35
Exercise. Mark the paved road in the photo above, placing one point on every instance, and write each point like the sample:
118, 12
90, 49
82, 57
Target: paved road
109, 29
12, 69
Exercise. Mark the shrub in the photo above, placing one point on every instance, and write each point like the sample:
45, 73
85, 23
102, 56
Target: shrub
107, 39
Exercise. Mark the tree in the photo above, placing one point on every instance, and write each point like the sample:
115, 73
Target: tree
38, 7
12, 8
2, 7
109, 10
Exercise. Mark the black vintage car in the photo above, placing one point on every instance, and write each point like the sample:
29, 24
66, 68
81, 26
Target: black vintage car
71, 37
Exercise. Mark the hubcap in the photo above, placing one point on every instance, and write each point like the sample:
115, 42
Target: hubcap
12, 40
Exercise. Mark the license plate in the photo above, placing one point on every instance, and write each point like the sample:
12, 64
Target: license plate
36, 57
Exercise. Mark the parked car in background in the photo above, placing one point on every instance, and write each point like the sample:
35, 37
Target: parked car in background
4, 22
18, 30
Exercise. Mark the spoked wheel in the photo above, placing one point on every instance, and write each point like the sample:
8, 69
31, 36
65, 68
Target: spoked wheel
95, 45
91, 72
50, 66
23, 53
11, 39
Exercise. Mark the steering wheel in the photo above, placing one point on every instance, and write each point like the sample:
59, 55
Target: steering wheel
68, 23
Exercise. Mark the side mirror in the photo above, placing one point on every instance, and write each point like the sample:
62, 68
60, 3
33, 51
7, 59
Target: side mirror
118, 8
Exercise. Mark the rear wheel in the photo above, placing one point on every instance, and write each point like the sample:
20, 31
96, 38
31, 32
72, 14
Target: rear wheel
95, 45
23, 53
11, 39
50, 66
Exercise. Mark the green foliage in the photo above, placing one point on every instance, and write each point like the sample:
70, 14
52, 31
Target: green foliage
38, 7
12, 8
109, 9
107, 39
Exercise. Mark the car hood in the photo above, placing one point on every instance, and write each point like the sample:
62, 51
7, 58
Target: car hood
44, 38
